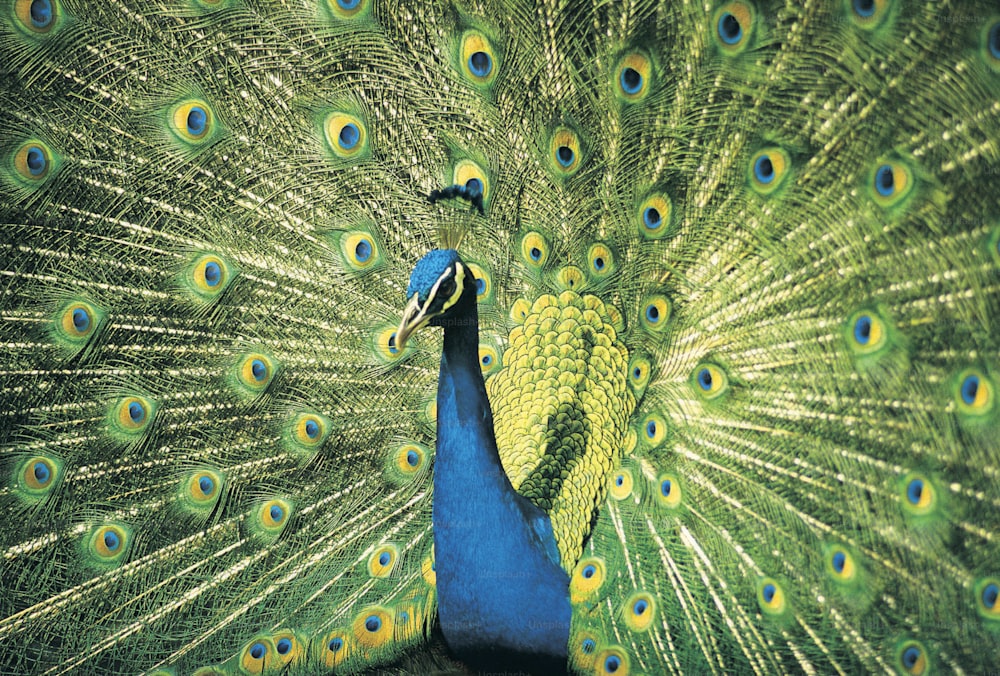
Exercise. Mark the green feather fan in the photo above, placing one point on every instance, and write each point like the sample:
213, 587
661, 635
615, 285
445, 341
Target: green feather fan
738, 274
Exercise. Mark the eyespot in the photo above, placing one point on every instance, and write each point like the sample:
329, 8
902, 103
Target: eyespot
255, 372
890, 182
732, 27
600, 261
655, 312
654, 430
840, 564
360, 250
258, 655
621, 484
638, 373
469, 174
272, 516
484, 282
408, 460
202, 489
192, 121
919, 496
986, 591
478, 61
868, 14
583, 646
612, 660
564, 151
911, 658
77, 322
974, 393
333, 648
489, 359
346, 135
588, 576
33, 162
634, 78
771, 596
668, 490
108, 544
133, 415
991, 45
309, 429
208, 276
709, 381
768, 169
38, 476
383, 561
385, 343
866, 332
347, 9
373, 627
639, 611
534, 249
571, 278
36, 16
287, 647
655, 214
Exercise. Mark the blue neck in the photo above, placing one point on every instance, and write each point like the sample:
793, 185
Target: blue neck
502, 597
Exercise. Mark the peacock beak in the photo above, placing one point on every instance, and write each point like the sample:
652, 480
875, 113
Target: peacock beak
414, 317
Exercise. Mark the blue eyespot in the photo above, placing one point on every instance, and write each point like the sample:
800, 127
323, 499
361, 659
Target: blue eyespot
206, 485
41, 13
213, 273
349, 133
257, 651
373, 623
990, 593
640, 607
335, 644
111, 541
839, 560
480, 64
970, 388
666, 487
885, 182
651, 429
348, 4
864, 8
565, 156
36, 161
474, 187
535, 253
136, 412
384, 558
312, 429
619, 480
404, 617
652, 313
392, 344
911, 654
588, 571
480, 286
81, 320
729, 29
705, 379
41, 472
363, 250
487, 360
763, 169
258, 369
197, 121
651, 218
768, 592
588, 645
914, 491
412, 458
277, 514
631, 81
283, 646
611, 664
863, 329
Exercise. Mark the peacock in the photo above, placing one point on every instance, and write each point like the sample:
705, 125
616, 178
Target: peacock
541, 336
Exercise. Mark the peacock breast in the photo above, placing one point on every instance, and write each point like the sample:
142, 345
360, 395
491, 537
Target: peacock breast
561, 406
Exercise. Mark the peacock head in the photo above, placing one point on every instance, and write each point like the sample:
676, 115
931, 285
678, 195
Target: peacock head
438, 290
